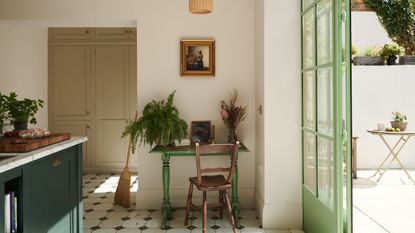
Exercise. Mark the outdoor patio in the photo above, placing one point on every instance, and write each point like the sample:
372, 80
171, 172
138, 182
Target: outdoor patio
387, 206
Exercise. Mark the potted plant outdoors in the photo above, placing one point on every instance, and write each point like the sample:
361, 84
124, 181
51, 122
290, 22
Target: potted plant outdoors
399, 121
369, 57
160, 124
397, 17
21, 112
232, 115
391, 52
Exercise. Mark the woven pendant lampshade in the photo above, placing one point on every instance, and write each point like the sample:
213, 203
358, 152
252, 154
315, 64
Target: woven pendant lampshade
200, 6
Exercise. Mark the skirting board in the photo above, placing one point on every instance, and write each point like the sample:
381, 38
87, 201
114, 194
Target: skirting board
279, 216
152, 198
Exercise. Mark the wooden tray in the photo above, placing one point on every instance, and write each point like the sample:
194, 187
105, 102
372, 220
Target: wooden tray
20, 145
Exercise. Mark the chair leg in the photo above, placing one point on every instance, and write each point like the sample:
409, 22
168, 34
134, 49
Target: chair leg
189, 204
204, 218
222, 203
229, 211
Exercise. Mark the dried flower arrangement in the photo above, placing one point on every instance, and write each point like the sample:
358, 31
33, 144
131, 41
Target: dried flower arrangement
232, 115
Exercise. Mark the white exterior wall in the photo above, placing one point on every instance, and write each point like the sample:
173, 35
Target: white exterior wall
377, 92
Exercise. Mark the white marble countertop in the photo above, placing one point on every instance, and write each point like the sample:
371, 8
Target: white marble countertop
9, 161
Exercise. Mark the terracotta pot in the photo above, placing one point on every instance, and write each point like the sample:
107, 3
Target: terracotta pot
399, 124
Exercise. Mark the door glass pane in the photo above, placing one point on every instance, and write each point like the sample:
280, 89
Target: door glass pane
309, 100
310, 161
307, 3
324, 32
325, 101
308, 39
325, 171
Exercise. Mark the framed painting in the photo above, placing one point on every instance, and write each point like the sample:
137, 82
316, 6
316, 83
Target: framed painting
197, 58
201, 132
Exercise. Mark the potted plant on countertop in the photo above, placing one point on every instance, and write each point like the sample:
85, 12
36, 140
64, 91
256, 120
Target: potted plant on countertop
369, 57
160, 124
3, 112
232, 115
399, 121
391, 52
21, 112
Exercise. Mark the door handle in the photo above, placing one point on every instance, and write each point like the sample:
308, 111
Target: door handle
56, 163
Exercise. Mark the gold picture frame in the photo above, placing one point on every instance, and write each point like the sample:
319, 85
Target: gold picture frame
197, 57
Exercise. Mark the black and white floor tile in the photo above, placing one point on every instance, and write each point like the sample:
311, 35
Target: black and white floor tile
101, 216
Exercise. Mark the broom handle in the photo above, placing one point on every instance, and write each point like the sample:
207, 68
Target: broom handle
129, 147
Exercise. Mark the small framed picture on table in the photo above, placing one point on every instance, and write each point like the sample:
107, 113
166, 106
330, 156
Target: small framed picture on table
201, 132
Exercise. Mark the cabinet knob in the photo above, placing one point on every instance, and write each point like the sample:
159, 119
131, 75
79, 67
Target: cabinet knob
86, 112
56, 163
87, 126
87, 31
126, 30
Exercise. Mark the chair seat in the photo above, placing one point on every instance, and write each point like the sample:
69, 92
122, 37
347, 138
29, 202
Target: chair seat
211, 183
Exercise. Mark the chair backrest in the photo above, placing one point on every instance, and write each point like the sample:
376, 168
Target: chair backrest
201, 150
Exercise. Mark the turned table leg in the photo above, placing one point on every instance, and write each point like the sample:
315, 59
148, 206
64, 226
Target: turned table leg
166, 206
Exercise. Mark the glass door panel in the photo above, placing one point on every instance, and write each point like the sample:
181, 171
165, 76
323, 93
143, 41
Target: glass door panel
324, 123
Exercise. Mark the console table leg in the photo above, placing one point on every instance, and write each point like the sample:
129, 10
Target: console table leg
166, 207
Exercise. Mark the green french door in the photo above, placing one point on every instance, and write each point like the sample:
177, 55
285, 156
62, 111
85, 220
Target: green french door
326, 116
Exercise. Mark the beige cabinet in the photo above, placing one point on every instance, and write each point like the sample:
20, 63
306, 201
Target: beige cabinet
93, 92
70, 69
70, 34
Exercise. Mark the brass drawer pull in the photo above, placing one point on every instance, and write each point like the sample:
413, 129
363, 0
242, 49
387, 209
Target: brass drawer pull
56, 163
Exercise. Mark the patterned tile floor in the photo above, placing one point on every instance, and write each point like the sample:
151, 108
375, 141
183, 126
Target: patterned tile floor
101, 216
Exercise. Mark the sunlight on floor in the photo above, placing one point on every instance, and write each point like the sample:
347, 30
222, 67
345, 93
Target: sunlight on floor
387, 206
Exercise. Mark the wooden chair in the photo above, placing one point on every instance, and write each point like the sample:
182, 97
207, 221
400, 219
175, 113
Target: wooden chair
207, 183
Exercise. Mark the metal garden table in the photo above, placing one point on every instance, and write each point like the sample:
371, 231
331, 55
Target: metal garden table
404, 137
167, 153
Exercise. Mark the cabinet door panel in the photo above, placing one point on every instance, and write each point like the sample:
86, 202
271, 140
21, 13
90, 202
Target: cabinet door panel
70, 34
111, 34
112, 149
111, 70
53, 194
78, 128
71, 82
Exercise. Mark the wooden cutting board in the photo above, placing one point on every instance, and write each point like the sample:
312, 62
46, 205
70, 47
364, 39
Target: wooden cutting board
20, 145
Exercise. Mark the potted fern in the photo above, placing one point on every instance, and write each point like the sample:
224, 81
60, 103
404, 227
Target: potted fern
160, 124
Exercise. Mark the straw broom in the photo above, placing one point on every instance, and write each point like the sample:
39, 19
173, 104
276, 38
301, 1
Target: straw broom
122, 195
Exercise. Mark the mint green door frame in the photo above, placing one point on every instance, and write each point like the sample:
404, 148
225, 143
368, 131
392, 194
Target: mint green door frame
326, 116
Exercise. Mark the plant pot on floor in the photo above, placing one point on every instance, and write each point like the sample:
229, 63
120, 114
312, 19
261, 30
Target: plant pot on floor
407, 60
399, 124
20, 126
392, 60
368, 61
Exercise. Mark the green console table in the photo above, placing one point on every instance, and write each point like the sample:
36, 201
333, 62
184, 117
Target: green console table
166, 154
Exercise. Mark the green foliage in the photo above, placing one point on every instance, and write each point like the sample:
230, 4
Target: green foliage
3, 109
390, 50
398, 18
355, 50
20, 111
159, 124
399, 117
372, 51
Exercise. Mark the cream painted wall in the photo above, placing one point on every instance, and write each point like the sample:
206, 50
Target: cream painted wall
279, 197
23, 65
197, 97
161, 25
367, 30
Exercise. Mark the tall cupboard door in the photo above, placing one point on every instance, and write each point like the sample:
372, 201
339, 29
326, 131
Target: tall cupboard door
70, 69
112, 72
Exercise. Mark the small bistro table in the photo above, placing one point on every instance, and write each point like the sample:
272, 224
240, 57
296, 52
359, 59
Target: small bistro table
404, 137
167, 153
